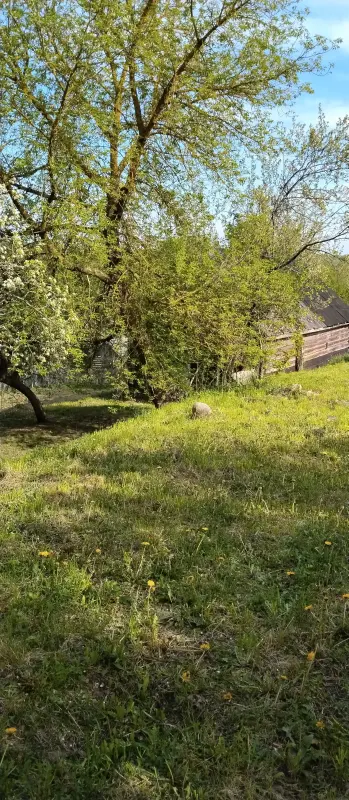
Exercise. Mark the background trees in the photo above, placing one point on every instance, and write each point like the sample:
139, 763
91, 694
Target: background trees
123, 125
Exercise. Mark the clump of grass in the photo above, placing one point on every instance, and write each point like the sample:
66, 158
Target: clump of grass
173, 601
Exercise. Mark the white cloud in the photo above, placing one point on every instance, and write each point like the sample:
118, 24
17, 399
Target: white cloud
331, 28
306, 110
335, 7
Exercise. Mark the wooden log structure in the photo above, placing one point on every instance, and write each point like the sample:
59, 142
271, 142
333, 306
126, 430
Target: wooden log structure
318, 346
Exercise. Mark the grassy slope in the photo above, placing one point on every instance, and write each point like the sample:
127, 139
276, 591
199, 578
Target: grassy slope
105, 680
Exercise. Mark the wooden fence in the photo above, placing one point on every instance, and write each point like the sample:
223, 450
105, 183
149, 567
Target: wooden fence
317, 346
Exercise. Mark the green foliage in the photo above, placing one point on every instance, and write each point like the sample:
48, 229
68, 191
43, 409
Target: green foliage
121, 110
37, 323
336, 274
192, 302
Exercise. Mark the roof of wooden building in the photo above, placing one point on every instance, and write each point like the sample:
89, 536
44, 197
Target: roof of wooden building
325, 310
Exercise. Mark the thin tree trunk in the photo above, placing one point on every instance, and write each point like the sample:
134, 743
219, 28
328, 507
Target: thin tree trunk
13, 379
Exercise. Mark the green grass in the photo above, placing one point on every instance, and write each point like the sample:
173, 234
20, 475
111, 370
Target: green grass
105, 680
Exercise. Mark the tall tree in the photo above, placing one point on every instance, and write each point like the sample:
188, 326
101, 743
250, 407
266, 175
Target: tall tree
109, 110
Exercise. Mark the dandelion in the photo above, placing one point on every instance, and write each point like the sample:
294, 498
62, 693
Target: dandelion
328, 543
284, 677
320, 724
204, 529
146, 544
308, 608
205, 646
10, 731
311, 655
345, 596
98, 550
45, 553
290, 572
185, 676
227, 696
151, 585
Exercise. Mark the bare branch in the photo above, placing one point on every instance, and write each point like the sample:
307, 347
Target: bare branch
309, 245
135, 99
193, 19
30, 190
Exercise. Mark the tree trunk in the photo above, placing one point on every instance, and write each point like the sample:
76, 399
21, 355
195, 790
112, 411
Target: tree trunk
299, 358
13, 379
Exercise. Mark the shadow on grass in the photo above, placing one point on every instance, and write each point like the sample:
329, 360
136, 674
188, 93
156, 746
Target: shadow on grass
65, 420
107, 682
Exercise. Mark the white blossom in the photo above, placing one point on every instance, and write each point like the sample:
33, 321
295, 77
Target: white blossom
36, 321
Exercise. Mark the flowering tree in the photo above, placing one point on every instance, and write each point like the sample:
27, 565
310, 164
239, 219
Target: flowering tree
36, 321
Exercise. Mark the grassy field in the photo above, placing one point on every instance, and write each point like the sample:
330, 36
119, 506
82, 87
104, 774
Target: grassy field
174, 597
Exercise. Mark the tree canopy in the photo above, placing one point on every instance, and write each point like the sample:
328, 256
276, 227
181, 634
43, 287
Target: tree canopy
117, 108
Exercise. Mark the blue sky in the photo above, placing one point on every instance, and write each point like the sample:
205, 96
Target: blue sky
329, 18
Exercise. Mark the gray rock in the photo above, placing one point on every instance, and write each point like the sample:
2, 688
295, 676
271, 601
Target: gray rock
244, 376
319, 432
201, 410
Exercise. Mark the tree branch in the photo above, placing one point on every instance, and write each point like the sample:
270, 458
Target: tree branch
91, 272
138, 146
30, 190
193, 19
135, 99
309, 245
28, 173
52, 121
6, 180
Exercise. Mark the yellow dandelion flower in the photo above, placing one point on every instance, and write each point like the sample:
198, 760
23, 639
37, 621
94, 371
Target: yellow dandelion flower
284, 677
345, 596
185, 676
205, 646
328, 543
151, 585
10, 731
204, 529
311, 655
308, 608
227, 696
290, 572
320, 724
98, 550
45, 553
146, 544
